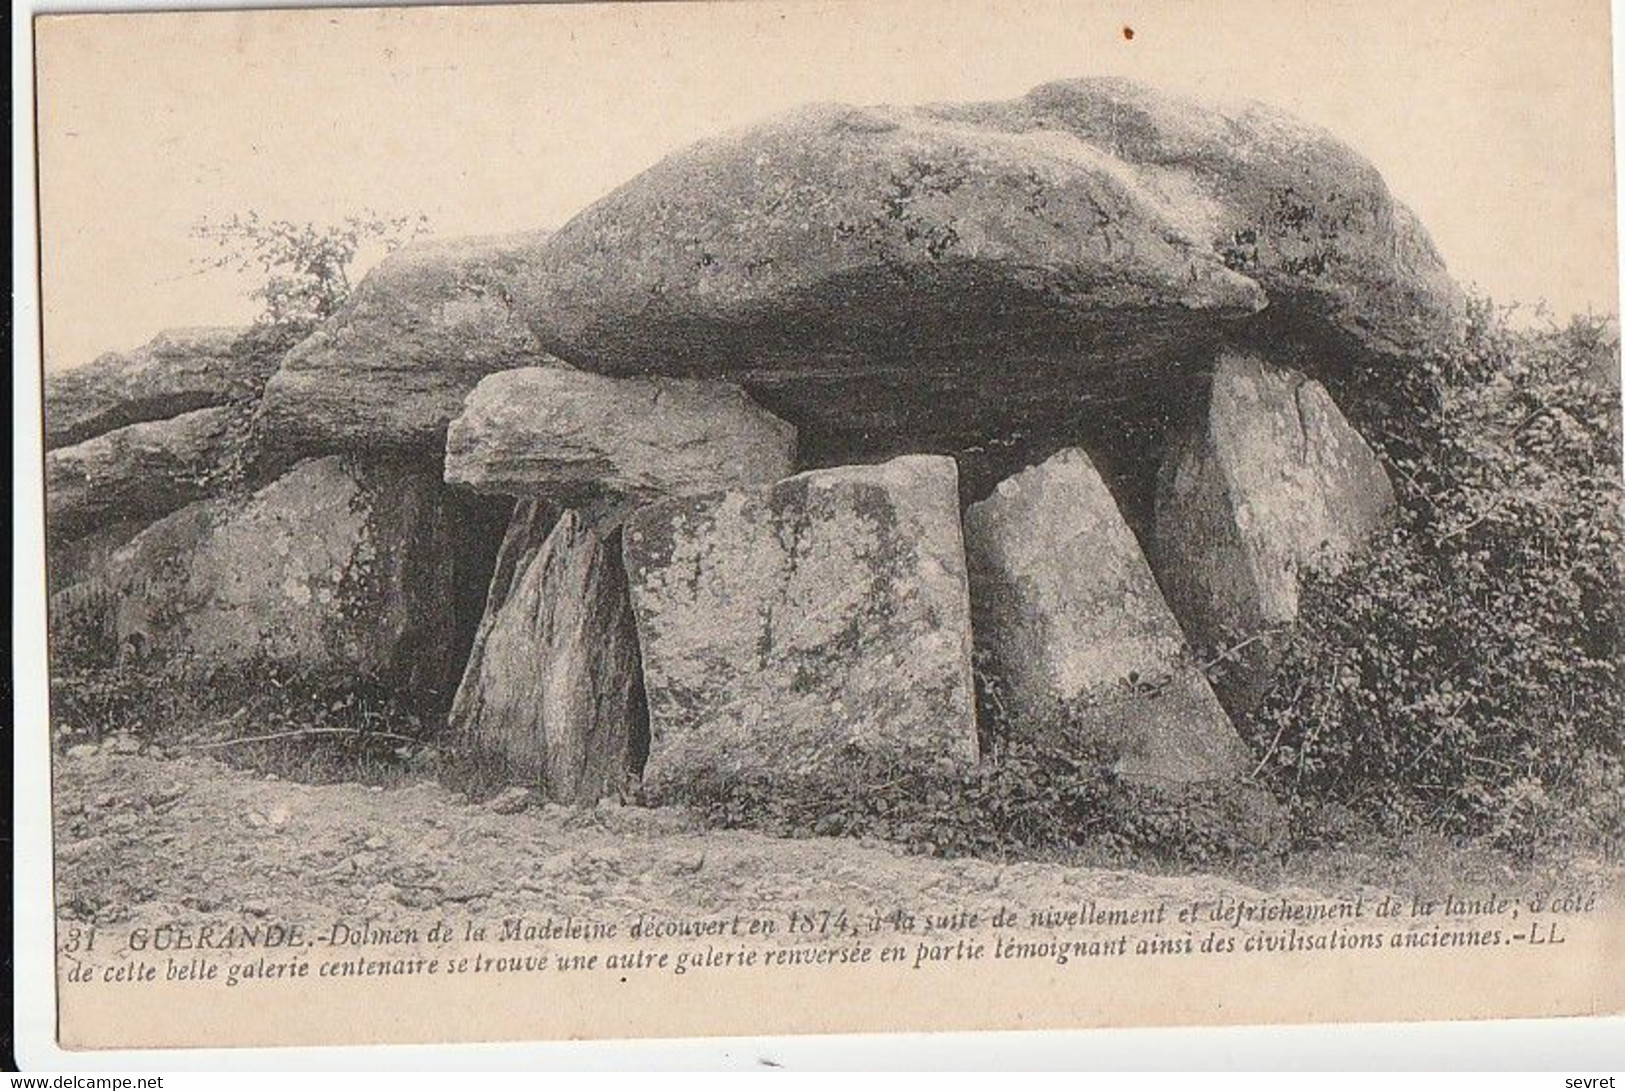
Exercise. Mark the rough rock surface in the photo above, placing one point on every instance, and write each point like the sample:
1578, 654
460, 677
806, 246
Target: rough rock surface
330, 567
71, 562
141, 471
553, 694
176, 372
391, 369
1272, 482
578, 438
936, 278
783, 626
1069, 617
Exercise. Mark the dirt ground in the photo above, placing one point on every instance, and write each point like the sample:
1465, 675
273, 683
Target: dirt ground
154, 838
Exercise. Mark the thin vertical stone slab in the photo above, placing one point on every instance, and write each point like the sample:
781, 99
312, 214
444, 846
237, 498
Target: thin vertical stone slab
553, 689
527, 529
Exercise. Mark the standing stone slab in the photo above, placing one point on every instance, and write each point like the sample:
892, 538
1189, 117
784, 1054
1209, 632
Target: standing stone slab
782, 627
553, 690
1070, 619
331, 568
1271, 484
580, 438
528, 527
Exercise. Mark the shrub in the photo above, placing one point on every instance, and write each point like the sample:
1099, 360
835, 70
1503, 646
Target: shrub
316, 727
308, 726
1026, 803
306, 265
1466, 675
92, 702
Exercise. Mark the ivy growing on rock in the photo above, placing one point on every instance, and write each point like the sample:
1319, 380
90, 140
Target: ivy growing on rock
1465, 677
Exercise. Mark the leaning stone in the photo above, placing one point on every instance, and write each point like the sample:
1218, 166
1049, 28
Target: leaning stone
785, 628
552, 694
1086, 656
580, 439
1272, 483
528, 527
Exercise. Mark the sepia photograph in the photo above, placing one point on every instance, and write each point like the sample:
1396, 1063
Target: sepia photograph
625, 520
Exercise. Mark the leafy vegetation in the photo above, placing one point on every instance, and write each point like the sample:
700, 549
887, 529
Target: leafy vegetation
1026, 803
303, 725
316, 730
1466, 676
306, 266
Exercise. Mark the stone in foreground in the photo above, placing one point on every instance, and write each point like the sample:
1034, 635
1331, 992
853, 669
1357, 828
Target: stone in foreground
176, 372
332, 568
784, 628
581, 439
553, 693
141, 471
391, 369
1271, 484
1071, 623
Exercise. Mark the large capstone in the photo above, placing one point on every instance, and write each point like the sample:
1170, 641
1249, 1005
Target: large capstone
390, 370
553, 693
176, 372
786, 628
989, 280
581, 439
333, 569
1081, 654
1269, 484
141, 471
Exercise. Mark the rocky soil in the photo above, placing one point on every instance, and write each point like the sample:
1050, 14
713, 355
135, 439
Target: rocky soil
152, 840
143, 838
